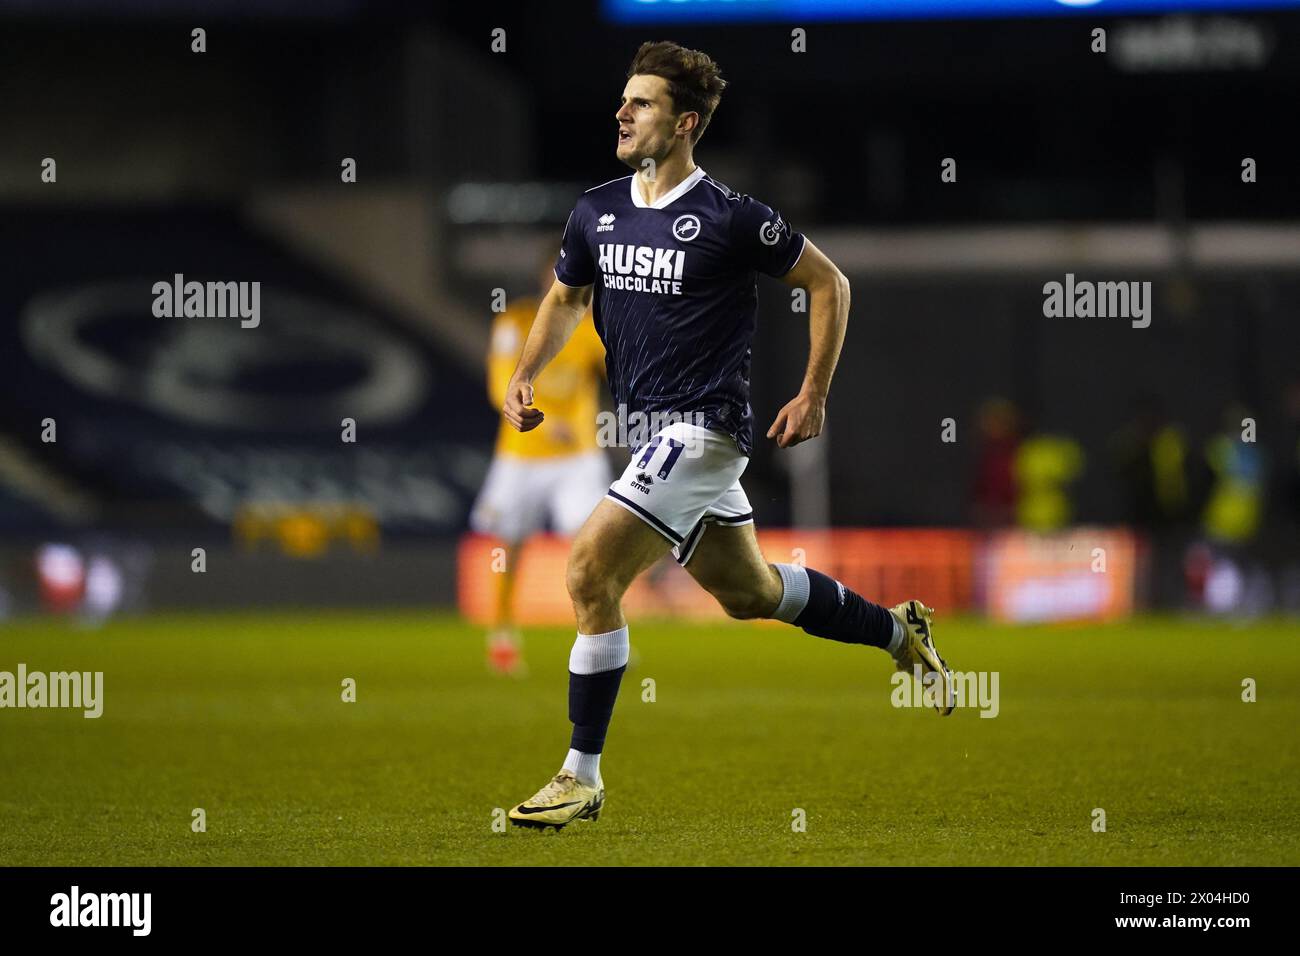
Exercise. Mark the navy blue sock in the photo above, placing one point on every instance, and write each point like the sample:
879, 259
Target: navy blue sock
841, 614
591, 705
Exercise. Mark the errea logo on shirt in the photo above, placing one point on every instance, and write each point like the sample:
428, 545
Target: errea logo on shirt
642, 268
606, 223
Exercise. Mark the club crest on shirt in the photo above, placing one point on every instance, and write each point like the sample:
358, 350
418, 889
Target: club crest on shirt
686, 228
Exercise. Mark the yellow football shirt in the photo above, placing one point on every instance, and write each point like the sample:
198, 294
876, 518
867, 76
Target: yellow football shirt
567, 391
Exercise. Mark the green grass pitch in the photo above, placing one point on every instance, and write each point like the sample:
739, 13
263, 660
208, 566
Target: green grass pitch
241, 715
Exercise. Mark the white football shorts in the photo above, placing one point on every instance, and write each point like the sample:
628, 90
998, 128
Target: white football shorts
519, 494
685, 478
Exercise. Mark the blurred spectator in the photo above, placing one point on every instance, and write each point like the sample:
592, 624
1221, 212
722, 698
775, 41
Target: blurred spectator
1232, 514
1236, 580
1045, 466
1289, 498
993, 498
1151, 455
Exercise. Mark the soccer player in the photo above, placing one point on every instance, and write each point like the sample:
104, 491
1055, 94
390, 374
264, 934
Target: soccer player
558, 473
670, 258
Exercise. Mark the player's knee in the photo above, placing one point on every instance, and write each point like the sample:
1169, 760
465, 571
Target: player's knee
587, 584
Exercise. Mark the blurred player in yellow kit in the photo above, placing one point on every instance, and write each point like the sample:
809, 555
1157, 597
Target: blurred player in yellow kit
561, 473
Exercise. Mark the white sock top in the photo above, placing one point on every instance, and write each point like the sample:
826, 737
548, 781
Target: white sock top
586, 767
597, 653
794, 598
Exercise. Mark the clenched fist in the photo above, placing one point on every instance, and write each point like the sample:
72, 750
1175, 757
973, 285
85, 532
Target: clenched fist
518, 408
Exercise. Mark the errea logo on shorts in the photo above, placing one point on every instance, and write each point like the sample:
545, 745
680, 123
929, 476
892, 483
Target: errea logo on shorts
606, 223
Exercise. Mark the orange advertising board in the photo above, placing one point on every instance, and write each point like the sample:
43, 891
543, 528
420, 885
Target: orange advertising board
886, 566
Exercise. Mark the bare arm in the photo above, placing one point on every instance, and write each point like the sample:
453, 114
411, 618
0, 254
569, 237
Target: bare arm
557, 317
498, 376
802, 418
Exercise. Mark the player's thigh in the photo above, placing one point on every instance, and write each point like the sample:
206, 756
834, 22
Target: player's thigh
611, 548
729, 564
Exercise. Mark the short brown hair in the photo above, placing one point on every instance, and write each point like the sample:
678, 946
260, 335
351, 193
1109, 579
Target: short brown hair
695, 82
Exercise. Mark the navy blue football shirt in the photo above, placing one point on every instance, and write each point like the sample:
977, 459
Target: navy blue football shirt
676, 293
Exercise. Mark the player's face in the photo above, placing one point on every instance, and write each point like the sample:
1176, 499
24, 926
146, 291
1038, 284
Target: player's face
645, 121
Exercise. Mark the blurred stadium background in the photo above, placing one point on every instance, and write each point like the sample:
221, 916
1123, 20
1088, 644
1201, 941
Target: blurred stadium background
1069, 434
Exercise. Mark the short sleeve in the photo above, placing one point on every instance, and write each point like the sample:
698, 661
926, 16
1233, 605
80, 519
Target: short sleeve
574, 267
762, 240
